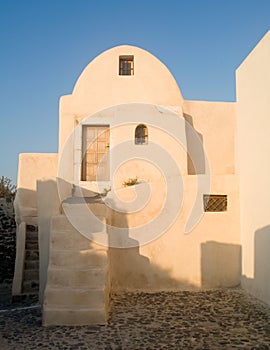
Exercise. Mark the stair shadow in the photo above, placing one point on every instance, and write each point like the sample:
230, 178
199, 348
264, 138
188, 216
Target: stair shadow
131, 270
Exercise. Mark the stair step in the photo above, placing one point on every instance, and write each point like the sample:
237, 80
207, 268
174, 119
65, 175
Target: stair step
75, 206
25, 298
31, 265
61, 223
76, 298
31, 228
73, 317
31, 275
72, 240
31, 237
31, 254
76, 292
82, 258
31, 245
30, 286
65, 236
77, 278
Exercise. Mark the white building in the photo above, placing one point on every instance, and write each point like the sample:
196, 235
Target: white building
198, 214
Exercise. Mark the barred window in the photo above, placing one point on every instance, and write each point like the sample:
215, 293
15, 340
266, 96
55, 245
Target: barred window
126, 65
141, 135
215, 202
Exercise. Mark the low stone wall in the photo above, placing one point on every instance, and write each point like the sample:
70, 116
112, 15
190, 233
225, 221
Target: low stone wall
7, 243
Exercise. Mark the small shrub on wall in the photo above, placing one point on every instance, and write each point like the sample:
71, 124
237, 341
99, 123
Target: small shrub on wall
131, 182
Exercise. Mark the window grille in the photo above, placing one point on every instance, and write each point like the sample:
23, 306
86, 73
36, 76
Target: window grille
126, 65
141, 135
215, 202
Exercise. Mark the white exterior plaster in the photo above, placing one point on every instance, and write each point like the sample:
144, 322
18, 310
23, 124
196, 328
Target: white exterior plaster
253, 145
210, 254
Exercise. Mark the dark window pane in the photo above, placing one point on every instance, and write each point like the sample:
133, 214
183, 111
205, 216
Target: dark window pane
141, 135
215, 203
126, 65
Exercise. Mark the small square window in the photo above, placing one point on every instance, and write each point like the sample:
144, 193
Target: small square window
215, 202
126, 65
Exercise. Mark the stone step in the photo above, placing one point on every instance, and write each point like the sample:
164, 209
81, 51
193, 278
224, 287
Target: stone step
31, 265
31, 245
61, 223
30, 286
25, 299
31, 237
77, 278
74, 298
73, 317
85, 234
72, 240
31, 275
31, 228
31, 255
81, 206
76, 290
80, 259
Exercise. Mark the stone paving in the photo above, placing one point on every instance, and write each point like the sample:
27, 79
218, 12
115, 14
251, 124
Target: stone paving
216, 319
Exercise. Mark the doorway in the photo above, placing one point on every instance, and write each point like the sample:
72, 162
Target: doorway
95, 153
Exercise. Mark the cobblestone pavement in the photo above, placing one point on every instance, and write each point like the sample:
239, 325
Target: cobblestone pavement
216, 319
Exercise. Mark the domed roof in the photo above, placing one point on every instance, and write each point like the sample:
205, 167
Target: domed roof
101, 85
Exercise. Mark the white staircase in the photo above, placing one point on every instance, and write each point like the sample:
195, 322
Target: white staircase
77, 289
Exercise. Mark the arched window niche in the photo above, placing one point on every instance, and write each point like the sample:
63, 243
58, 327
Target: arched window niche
141, 135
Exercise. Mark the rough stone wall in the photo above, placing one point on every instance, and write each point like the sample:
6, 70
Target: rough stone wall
7, 241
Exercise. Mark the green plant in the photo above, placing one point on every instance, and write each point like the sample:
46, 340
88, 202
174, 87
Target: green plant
131, 182
105, 191
7, 189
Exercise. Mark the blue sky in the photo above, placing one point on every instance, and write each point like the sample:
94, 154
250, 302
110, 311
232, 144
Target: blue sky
45, 44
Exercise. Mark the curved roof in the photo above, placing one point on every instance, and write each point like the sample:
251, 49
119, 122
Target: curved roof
100, 85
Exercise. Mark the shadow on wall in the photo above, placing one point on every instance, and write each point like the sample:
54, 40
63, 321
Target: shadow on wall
25, 204
220, 264
260, 284
132, 271
195, 154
